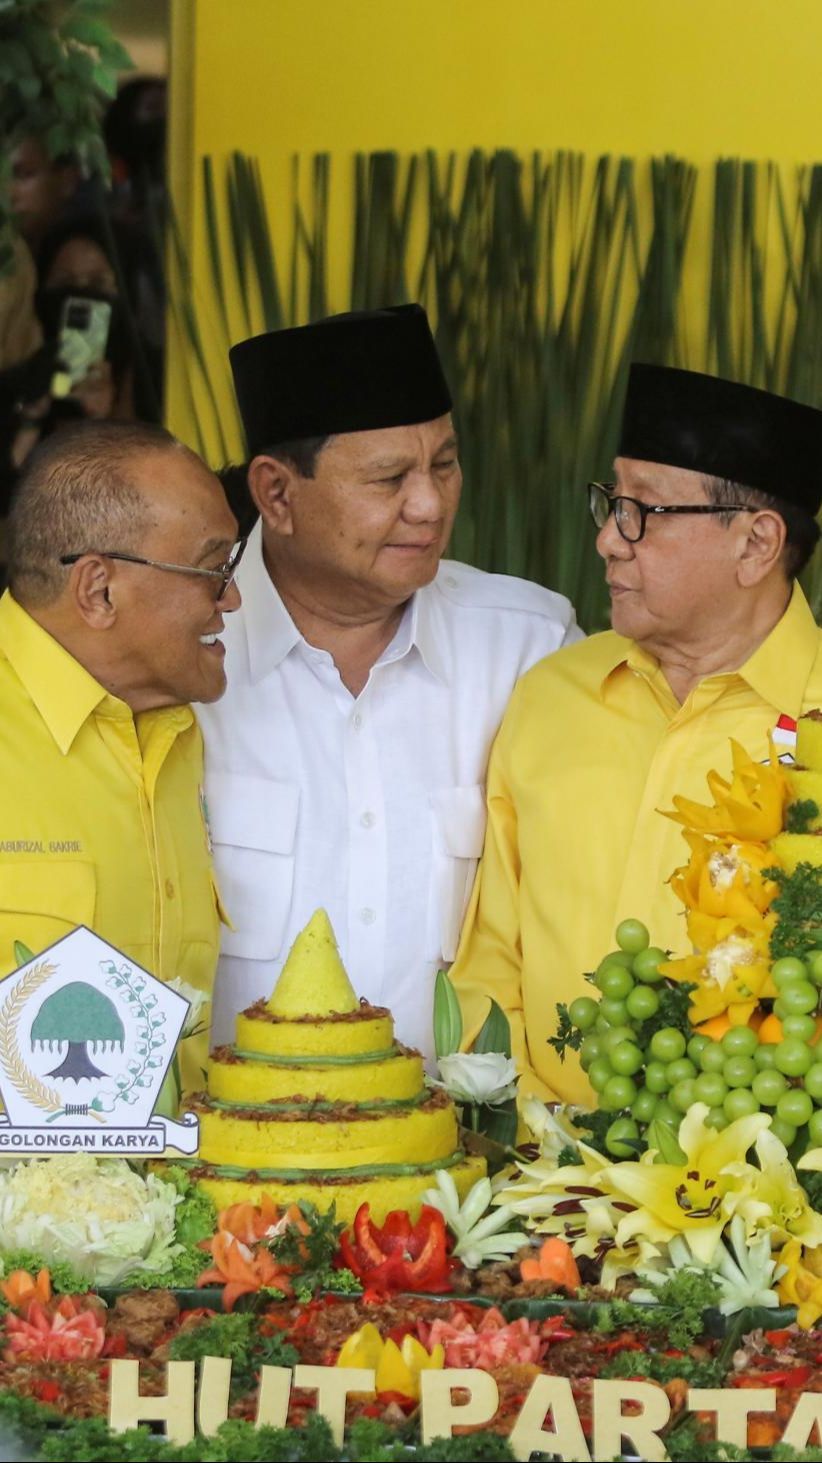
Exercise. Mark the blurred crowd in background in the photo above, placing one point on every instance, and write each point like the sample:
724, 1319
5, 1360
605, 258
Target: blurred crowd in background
82, 312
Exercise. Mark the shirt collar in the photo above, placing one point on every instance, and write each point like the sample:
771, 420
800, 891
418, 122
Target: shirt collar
780, 667
778, 670
269, 628
426, 631
271, 633
63, 691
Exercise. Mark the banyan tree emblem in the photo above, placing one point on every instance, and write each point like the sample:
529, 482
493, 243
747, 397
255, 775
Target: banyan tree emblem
86, 1040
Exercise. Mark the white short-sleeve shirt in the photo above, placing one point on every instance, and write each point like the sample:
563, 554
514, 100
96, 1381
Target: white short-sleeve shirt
373, 806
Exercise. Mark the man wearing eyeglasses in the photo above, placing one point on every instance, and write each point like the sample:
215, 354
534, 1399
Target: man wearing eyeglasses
709, 520
366, 678
122, 557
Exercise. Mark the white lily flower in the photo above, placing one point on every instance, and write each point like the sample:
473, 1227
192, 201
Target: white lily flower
550, 1126
479, 1077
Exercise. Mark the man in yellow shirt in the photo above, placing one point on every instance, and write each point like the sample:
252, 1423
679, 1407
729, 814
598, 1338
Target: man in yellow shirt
121, 562
712, 638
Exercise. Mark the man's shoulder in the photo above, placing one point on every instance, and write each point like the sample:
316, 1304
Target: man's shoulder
476, 589
585, 663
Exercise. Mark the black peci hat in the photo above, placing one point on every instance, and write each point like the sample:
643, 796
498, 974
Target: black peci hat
725, 430
349, 373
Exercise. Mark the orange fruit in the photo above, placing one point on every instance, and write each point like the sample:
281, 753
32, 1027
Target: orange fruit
716, 1027
770, 1032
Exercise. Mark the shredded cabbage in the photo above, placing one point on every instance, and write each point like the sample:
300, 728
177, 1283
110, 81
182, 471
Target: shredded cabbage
96, 1214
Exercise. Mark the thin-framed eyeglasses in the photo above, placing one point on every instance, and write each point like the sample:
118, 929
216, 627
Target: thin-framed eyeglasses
631, 516
224, 572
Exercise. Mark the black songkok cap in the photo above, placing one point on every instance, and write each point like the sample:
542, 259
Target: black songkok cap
349, 373
723, 429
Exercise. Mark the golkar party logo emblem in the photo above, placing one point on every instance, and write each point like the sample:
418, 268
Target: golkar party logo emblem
86, 1040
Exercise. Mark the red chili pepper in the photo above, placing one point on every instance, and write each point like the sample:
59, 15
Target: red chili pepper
624, 1343
46, 1391
795, 1376
398, 1255
556, 1328
778, 1338
406, 1403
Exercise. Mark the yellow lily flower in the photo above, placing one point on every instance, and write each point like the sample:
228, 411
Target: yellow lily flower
749, 808
397, 1368
695, 1198
801, 1285
774, 1199
724, 879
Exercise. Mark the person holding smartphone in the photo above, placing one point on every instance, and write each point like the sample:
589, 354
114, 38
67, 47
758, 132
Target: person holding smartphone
93, 364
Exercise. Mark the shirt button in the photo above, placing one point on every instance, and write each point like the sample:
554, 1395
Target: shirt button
368, 820
451, 581
169, 889
368, 916
356, 721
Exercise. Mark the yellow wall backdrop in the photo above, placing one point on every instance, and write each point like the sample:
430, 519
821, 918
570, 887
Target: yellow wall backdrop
274, 78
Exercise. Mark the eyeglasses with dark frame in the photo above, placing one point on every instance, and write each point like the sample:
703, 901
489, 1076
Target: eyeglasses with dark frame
631, 516
225, 572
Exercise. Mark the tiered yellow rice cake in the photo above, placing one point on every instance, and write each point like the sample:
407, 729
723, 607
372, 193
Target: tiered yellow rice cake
805, 806
318, 1101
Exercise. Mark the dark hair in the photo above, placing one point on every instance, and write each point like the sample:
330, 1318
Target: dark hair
300, 454
120, 121
234, 479
801, 531
75, 494
129, 251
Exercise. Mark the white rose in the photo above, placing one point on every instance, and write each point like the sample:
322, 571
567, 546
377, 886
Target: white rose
479, 1077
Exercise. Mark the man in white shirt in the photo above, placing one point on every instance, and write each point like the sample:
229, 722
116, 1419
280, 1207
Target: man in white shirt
366, 679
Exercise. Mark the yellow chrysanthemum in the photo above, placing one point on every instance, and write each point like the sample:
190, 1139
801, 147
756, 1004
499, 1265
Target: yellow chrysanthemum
724, 879
749, 808
730, 966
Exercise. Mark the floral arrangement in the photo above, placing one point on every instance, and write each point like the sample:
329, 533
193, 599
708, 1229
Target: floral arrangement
709, 1089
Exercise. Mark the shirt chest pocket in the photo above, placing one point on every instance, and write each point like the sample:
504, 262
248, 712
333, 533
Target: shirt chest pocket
458, 832
41, 901
253, 828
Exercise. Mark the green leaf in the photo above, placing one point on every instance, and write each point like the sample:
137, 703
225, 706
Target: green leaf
663, 1138
499, 1123
447, 1016
86, 30
104, 79
22, 953
495, 1033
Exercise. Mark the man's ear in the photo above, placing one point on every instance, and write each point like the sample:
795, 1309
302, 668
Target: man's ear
761, 546
271, 483
90, 585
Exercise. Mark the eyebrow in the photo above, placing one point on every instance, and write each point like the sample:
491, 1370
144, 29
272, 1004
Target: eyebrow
214, 546
385, 464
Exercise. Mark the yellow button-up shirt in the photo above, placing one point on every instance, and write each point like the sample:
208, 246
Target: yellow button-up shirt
593, 744
101, 819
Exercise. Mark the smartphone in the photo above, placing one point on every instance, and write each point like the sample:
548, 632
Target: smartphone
81, 341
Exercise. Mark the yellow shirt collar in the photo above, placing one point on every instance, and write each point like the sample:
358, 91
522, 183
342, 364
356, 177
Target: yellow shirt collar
778, 670
64, 693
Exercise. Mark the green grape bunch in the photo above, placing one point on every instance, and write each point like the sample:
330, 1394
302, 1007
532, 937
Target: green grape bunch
647, 1065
